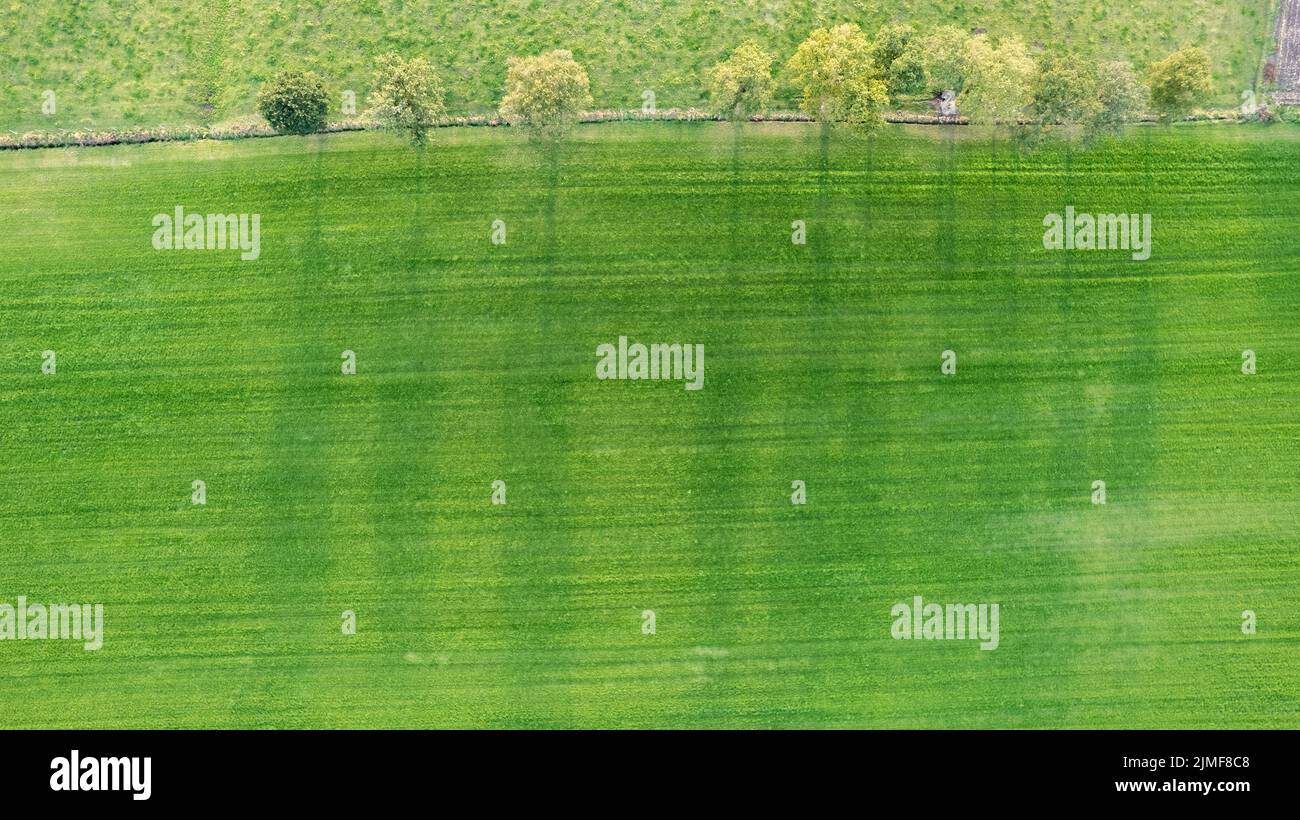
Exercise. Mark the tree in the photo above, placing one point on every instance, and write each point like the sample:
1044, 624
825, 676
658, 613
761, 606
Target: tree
892, 40
906, 75
1065, 91
1098, 95
741, 85
1179, 80
896, 53
1121, 95
294, 102
840, 82
407, 96
997, 80
545, 94
942, 52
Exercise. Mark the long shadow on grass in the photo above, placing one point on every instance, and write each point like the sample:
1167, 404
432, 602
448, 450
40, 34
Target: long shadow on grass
296, 488
540, 551
404, 510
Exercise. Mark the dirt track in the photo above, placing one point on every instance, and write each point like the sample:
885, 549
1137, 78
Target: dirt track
1288, 53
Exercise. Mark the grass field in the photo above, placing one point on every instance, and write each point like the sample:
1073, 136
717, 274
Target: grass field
370, 492
121, 62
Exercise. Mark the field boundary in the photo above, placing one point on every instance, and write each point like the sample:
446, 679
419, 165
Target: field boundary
256, 128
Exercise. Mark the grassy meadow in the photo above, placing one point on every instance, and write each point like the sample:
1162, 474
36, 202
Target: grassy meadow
475, 362
120, 62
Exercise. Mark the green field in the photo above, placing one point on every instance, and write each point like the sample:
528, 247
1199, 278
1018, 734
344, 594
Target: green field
121, 62
370, 492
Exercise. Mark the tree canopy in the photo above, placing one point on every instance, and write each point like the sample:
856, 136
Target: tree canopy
1121, 94
294, 102
998, 80
896, 53
741, 85
1180, 80
545, 94
407, 96
942, 52
1065, 91
841, 84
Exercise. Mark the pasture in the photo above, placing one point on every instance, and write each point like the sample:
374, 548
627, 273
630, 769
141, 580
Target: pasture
113, 63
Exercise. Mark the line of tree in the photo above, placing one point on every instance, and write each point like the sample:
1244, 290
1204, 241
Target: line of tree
845, 77
849, 79
545, 95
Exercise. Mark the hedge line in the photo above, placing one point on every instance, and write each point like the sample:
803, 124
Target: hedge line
256, 129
